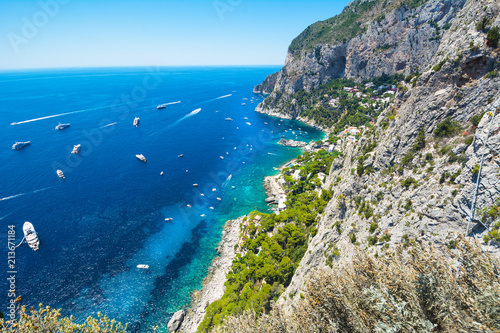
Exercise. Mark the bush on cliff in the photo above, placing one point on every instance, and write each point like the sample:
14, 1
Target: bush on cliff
419, 291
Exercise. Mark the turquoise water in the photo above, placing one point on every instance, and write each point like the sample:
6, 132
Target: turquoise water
108, 215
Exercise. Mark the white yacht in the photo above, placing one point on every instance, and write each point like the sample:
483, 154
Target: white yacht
20, 145
143, 266
141, 157
228, 119
30, 235
76, 149
161, 106
61, 126
136, 121
60, 174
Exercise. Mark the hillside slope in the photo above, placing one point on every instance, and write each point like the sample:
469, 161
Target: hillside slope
417, 183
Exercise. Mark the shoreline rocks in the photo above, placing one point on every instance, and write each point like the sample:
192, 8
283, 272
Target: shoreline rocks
213, 285
292, 143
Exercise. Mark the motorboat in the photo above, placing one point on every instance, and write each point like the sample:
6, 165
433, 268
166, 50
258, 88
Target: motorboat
248, 123
180, 155
195, 185
60, 174
137, 120
141, 157
61, 126
219, 199
228, 119
161, 106
169, 219
31, 236
161, 173
143, 266
20, 145
76, 149
221, 157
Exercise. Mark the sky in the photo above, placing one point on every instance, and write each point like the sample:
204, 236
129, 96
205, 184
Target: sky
102, 33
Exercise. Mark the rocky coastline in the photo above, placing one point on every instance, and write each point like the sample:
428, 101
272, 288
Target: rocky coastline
213, 285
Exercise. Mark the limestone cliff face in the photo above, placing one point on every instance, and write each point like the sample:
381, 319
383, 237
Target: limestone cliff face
435, 206
401, 41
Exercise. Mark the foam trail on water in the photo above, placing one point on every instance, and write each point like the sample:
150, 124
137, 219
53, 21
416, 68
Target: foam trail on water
63, 114
21, 194
273, 154
171, 103
224, 96
190, 114
108, 125
1, 218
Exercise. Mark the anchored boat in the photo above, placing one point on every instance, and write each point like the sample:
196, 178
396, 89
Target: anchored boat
136, 121
143, 266
61, 126
141, 157
60, 174
76, 149
30, 235
20, 145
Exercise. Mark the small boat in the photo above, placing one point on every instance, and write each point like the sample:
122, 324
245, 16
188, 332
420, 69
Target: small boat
228, 119
246, 118
61, 126
227, 153
141, 158
219, 199
137, 120
60, 174
222, 157
202, 215
265, 123
161, 106
76, 149
31, 236
202, 195
211, 207
169, 219
243, 104
214, 189
188, 205
20, 145
249, 124
195, 185
180, 155
143, 266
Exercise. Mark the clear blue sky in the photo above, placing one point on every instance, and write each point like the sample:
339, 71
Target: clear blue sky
96, 33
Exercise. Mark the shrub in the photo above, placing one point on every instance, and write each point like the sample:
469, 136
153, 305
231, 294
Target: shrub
482, 24
373, 227
475, 169
408, 205
491, 74
469, 140
438, 67
408, 182
493, 36
49, 320
423, 293
447, 128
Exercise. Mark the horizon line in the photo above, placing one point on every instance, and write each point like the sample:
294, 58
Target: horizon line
137, 66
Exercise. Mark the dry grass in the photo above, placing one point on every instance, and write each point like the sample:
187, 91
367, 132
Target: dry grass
422, 290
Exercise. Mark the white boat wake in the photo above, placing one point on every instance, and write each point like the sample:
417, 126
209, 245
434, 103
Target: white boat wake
22, 194
1, 218
172, 103
190, 114
224, 96
63, 114
108, 125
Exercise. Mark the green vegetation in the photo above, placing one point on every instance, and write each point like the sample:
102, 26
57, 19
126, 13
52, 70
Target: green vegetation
409, 182
491, 74
438, 67
476, 119
272, 249
483, 24
447, 128
493, 36
48, 320
423, 291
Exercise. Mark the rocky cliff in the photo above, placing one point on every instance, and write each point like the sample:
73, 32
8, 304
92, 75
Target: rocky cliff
412, 176
393, 37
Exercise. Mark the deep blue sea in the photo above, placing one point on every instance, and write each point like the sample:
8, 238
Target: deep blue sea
108, 215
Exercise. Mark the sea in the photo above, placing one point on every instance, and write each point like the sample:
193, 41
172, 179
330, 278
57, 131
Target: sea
113, 212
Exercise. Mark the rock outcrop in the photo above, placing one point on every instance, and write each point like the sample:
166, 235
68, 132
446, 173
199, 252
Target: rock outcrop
176, 321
